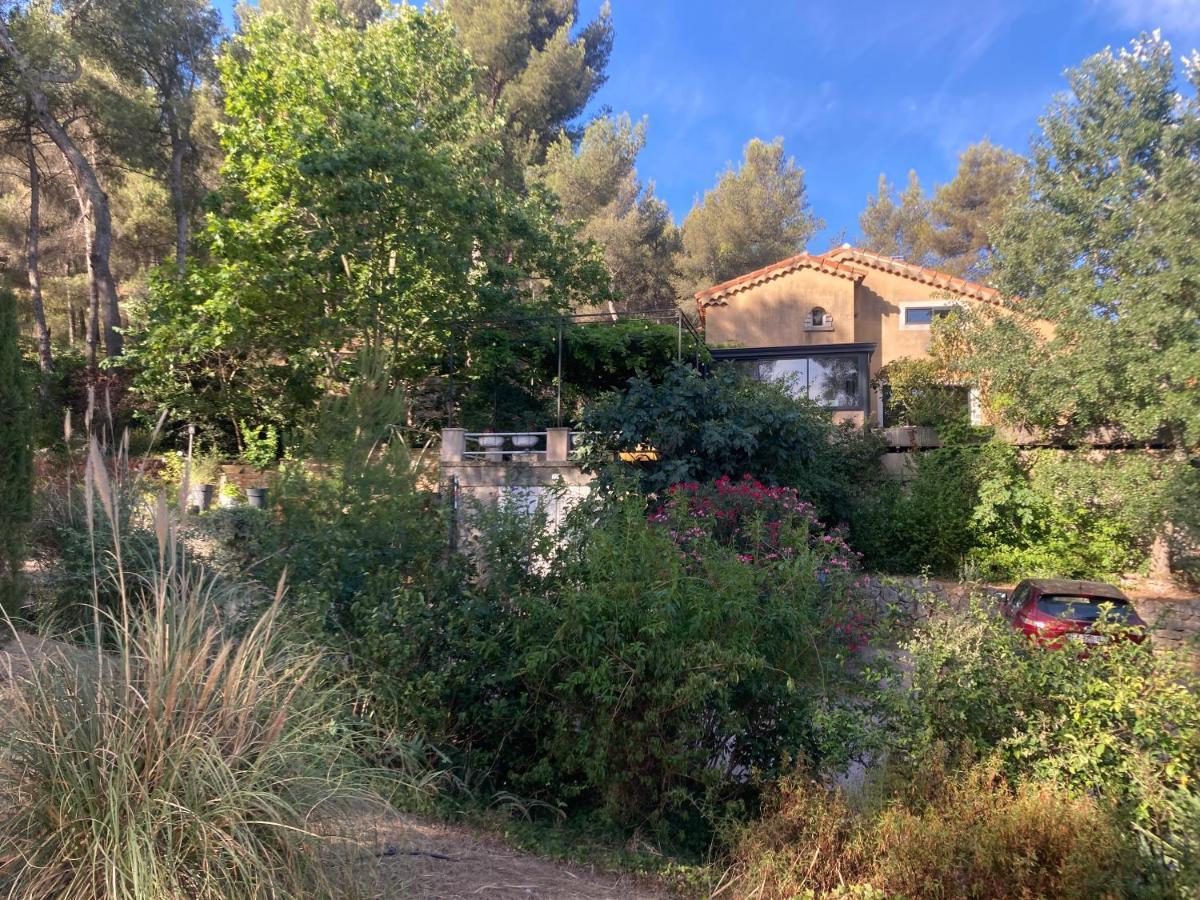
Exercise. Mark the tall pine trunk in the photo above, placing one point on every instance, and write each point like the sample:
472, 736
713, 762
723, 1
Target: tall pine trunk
31, 80
92, 326
179, 150
32, 252
104, 286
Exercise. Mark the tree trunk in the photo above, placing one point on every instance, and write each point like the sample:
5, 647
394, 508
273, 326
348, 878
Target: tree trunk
101, 244
104, 287
179, 149
45, 359
92, 330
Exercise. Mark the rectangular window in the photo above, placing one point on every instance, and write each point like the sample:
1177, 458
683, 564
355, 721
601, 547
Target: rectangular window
924, 315
833, 380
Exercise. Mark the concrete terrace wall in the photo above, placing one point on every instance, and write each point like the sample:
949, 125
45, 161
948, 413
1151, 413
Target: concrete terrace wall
523, 481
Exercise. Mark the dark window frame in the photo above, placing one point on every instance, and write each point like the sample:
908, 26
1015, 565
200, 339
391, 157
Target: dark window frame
761, 354
935, 310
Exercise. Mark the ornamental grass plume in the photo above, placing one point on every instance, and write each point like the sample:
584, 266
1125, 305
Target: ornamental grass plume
178, 759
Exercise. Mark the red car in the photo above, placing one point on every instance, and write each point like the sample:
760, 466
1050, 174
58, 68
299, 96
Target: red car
1054, 611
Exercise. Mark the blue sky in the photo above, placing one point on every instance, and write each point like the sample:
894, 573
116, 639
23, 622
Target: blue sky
855, 87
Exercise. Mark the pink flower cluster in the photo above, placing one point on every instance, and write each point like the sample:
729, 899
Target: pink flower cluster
760, 522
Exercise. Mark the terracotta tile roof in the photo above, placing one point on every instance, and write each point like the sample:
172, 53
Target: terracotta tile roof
716, 293
847, 262
932, 277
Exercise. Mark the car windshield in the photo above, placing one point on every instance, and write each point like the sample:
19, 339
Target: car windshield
1083, 609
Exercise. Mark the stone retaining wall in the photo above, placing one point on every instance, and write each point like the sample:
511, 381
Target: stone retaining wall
1175, 624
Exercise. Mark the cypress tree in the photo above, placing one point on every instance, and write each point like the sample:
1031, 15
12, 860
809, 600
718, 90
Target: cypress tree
16, 459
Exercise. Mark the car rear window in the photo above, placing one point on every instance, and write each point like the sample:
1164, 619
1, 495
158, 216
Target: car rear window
1082, 609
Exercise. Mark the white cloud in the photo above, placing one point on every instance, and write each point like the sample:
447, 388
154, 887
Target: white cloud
1173, 15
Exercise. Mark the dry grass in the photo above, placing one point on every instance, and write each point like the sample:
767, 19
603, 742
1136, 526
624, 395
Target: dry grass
948, 835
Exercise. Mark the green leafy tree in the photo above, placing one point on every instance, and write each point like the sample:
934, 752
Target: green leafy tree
1104, 256
301, 14
757, 214
357, 213
897, 226
598, 187
16, 458
533, 66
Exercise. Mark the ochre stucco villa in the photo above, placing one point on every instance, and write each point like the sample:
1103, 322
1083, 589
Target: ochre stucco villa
829, 322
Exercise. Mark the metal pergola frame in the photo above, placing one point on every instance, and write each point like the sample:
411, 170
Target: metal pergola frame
682, 322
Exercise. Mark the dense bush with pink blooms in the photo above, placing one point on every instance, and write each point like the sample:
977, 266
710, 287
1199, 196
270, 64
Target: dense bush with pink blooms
760, 522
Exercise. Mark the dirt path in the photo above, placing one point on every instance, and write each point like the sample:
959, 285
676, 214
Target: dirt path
427, 860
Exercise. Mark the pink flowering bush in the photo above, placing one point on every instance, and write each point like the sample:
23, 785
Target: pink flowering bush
763, 524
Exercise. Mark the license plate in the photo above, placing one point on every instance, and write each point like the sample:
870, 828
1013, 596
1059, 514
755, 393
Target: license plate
1086, 638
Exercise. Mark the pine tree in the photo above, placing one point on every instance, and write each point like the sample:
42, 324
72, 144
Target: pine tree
756, 215
532, 65
599, 189
897, 227
966, 212
16, 458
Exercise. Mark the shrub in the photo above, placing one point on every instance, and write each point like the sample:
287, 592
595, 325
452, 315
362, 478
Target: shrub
917, 394
16, 459
728, 423
260, 444
182, 762
1075, 514
1005, 515
1121, 724
625, 675
962, 834
924, 523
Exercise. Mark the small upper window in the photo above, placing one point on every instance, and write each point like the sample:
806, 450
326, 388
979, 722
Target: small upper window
819, 320
924, 315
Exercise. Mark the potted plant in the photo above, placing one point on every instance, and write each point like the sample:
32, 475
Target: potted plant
202, 479
489, 441
256, 497
200, 496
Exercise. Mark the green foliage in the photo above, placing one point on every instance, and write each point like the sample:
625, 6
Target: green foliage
1121, 724
358, 209
1104, 248
16, 459
917, 394
897, 226
756, 215
952, 230
618, 673
521, 363
923, 523
727, 424
1006, 515
1065, 514
260, 445
967, 210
